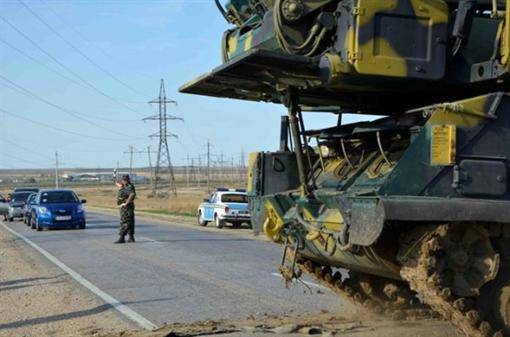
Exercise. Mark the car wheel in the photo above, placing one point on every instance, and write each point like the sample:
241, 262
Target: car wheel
10, 219
82, 226
32, 222
200, 219
218, 222
37, 227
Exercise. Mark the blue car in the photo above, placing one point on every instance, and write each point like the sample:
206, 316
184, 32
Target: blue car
57, 209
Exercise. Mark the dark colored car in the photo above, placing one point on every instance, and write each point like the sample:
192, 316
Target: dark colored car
26, 189
27, 210
4, 207
16, 205
57, 209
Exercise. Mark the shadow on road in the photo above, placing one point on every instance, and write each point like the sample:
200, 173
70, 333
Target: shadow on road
30, 279
28, 285
94, 226
98, 222
75, 314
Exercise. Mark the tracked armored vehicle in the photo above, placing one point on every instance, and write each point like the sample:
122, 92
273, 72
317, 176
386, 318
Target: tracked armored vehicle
415, 204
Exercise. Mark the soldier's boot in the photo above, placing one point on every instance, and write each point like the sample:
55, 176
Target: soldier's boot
131, 238
121, 239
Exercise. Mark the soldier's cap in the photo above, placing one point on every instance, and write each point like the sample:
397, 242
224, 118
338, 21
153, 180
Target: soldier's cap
125, 177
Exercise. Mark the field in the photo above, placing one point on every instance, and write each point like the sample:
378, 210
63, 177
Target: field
185, 203
191, 185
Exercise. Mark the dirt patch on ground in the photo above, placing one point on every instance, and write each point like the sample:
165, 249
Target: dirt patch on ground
38, 299
324, 324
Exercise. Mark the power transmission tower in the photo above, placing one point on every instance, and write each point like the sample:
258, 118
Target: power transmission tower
150, 166
199, 168
222, 168
208, 172
56, 170
164, 162
130, 150
187, 170
242, 162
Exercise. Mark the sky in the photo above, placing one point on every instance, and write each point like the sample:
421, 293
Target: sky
86, 99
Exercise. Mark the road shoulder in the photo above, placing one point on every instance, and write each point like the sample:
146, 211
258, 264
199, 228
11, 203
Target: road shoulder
44, 301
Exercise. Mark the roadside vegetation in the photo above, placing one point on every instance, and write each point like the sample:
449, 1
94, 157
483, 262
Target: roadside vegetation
185, 204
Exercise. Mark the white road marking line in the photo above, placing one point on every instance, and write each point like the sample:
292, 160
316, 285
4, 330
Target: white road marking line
305, 282
122, 308
148, 239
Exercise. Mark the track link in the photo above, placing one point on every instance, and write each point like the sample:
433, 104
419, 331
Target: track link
421, 273
376, 294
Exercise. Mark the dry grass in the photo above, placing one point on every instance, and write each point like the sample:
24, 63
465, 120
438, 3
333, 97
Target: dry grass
185, 203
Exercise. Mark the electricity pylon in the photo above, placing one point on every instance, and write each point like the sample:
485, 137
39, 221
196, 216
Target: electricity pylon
163, 162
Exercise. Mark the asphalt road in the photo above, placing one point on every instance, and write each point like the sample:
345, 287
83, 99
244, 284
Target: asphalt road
181, 274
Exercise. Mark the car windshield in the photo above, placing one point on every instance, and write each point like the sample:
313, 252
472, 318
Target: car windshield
58, 197
20, 196
240, 198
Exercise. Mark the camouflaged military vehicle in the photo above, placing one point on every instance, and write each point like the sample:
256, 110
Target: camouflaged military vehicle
415, 204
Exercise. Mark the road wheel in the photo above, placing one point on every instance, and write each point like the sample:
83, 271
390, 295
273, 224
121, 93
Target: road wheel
10, 219
82, 226
495, 296
32, 222
200, 219
37, 227
218, 222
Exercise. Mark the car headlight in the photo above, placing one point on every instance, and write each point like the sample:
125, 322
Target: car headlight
44, 210
11, 208
80, 209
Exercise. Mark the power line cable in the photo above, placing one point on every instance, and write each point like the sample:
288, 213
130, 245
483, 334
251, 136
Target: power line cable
78, 115
54, 59
82, 36
23, 148
33, 59
19, 159
76, 49
48, 126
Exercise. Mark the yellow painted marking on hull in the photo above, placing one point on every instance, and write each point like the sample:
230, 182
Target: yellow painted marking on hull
247, 41
467, 113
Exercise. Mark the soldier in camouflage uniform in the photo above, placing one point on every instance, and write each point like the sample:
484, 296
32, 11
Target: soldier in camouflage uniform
126, 202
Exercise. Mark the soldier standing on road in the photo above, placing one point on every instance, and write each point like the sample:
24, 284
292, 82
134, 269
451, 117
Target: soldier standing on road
126, 202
